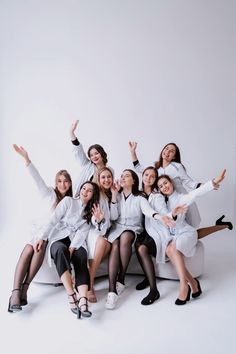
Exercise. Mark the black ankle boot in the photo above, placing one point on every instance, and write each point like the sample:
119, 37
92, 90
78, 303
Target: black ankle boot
151, 297
228, 223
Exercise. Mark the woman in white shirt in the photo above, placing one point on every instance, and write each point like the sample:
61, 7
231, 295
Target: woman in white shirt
132, 205
91, 164
98, 245
169, 163
31, 258
66, 234
182, 238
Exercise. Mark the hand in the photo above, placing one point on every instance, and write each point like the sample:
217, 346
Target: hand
21, 151
72, 130
133, 146
38, 245
180, 209
167, 221
219, 179
97, 213
115, 189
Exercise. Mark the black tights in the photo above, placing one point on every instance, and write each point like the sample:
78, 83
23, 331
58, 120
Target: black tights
26, 269
120, 255
146, 262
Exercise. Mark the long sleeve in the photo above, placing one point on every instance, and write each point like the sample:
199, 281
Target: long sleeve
80, 155
80, 235
44, 190
191, 196
138, 167
186, 180
146, 208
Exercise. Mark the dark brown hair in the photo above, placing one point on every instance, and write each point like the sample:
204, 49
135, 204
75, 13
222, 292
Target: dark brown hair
101, 151
94, 200
177, 157
154, 186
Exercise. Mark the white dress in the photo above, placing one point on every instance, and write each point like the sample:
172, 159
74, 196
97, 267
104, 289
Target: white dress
94, 231
67, 221
131, 211
183, 183
183, 234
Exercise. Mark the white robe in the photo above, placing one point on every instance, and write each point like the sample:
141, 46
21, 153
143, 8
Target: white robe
183, 183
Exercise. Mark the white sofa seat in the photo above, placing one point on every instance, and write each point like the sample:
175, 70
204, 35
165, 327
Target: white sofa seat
195, 265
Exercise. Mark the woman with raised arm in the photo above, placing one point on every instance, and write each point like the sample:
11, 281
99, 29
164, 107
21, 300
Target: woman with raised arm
66, 234
132, 205
170, 163
31, 258
97, 159
98, 245
182, 237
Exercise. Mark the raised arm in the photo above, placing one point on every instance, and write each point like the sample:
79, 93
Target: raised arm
72, 130
22, 152
44, 190
79, 153
137, 166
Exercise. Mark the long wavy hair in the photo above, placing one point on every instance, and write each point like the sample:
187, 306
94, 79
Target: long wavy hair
177, 157
94, 200
170, 180
101, 151
69, 193
135, 186
154, 186
106, 192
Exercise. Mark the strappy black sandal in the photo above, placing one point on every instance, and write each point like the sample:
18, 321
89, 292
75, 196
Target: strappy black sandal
84, 307
14, 307
75, 309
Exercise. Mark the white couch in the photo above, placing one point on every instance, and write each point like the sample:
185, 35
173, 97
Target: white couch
195, 265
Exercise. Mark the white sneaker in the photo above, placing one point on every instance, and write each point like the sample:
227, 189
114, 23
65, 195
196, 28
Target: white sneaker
119, 288
111, 300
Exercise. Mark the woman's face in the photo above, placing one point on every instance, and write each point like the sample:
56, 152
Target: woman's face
168, 153
106, 179
95, 157
165, 186
126, 179
149, 177
63, 184
86, 193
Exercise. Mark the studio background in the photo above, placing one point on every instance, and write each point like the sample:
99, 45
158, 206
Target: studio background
150, 71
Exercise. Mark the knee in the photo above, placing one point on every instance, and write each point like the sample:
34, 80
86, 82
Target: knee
142, 250
170, 250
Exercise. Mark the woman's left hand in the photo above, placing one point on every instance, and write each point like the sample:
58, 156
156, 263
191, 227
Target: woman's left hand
97, 213
219, 179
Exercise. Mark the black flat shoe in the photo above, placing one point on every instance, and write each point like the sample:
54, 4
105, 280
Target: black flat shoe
151, 297
143, 284
183, 302
227, 223
197, 293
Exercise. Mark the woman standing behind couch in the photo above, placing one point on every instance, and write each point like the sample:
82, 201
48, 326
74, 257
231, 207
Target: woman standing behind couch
97, 159
66, 234
31, 257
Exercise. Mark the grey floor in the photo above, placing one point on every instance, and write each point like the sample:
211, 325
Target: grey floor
205, 325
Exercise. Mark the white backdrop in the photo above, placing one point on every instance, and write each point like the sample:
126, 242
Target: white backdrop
144, 70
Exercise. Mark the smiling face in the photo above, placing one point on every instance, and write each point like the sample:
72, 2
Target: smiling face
105, 179
86, 193
165, 186
95, 157
168, 153
62, 184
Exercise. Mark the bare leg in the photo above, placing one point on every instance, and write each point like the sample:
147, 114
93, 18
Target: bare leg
102, 249
177, 259
205, 231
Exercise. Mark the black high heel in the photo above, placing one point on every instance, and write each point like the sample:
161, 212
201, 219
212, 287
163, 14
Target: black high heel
23, 301
14, 307
183, 302
86, 312
228, 223
143, 284
199, 291
75, 309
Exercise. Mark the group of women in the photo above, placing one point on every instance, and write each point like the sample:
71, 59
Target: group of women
98, 217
